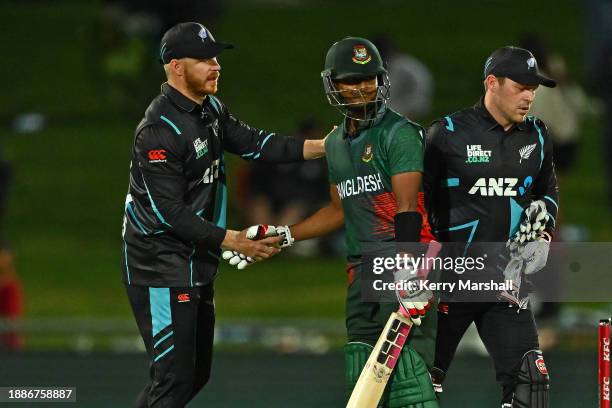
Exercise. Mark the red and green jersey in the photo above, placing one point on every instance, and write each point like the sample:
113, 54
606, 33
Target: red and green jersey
361, 167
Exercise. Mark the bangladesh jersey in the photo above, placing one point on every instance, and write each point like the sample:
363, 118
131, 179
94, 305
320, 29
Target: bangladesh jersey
361, 167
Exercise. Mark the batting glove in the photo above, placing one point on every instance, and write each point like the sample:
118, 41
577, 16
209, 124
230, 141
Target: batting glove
255, 233
414, 301
237, 259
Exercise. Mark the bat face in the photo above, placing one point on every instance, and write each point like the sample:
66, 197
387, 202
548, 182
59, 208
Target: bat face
379, 367
380, 364
393, 344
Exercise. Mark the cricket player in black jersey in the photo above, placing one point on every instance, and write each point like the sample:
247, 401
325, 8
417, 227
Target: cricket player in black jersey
175, 211
488, 175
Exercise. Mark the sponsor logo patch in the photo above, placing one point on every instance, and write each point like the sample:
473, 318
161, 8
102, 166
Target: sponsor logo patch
541, 366
157, 156
475, 154
368, 153
491, 186
361, 55
183, 297
201, 147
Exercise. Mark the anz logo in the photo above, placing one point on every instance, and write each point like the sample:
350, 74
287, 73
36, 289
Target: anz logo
500, 186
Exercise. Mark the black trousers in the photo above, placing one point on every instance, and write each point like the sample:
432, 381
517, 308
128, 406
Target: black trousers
507, 335
177, 326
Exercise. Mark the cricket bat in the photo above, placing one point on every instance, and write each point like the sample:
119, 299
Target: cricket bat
377, 370
379, 367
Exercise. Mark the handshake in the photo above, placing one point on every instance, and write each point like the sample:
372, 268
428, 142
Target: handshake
256, 243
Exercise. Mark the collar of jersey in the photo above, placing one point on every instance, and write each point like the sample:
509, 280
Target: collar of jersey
366, 124
484, 113
178, 99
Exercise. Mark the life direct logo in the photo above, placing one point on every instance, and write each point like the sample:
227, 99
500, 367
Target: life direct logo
475, 154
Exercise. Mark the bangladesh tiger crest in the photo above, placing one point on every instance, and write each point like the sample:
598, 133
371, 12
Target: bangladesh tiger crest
368, 153
361, 55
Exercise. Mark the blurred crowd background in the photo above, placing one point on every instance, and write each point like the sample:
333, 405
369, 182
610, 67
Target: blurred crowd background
79, 74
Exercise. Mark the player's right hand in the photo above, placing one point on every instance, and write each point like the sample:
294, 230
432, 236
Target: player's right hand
535, 218
247, 244
414, 301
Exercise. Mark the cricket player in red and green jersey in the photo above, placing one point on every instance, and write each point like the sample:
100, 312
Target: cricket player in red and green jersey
375, 161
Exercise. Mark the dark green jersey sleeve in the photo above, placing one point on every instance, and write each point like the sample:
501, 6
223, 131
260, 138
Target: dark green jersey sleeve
405, 149
329, 153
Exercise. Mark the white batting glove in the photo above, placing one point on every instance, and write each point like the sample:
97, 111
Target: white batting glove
414, 301
255, 233
261, 231
237, 259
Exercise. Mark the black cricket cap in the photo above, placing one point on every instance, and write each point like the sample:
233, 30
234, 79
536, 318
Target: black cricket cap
191, 40
518, 64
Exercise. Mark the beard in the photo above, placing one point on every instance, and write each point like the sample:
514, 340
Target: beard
199, 86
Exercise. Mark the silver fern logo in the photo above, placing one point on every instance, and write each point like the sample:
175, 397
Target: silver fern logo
203, 34
526, 151
531, 63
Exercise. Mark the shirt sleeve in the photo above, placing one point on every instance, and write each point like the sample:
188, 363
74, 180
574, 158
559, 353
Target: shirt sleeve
433, 163
545, 186
329, 153
256, 144
405, 149
160, 156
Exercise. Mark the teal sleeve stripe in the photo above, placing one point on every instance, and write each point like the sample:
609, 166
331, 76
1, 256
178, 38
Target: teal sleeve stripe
516, 212
549, 198
449, 124
451, 182
160, 341
164, 353
258, 153
168, 121
266, 140
155, 210
161, 316
133, 216
191, 267
220, 215
127, 268
541, 138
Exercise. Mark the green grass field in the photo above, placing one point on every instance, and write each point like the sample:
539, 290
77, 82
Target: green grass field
66, 202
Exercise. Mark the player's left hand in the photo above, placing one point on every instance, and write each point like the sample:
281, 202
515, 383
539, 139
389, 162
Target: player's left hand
531, 243
255, 233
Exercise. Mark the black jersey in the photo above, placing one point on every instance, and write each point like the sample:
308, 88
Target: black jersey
478, 178
175, 209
